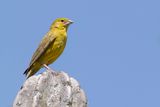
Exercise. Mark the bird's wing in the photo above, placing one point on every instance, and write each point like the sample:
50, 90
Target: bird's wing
45, 43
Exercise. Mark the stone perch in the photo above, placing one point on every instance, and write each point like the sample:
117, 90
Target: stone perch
50, 90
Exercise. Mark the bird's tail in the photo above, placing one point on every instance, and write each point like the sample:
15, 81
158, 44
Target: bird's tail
30, 71
27, 72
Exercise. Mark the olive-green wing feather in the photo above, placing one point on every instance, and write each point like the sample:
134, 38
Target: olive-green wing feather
43, 46
46, 41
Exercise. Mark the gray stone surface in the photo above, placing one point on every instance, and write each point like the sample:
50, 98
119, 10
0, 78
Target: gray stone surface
51, 90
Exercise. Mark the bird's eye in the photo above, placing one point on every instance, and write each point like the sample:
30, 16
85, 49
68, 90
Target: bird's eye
62, 20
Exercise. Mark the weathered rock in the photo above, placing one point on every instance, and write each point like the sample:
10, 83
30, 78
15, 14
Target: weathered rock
51, 90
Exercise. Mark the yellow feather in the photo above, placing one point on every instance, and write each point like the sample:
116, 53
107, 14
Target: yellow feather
51, 46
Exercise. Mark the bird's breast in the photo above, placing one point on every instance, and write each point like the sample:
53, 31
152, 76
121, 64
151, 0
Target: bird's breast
56, 49
60, 42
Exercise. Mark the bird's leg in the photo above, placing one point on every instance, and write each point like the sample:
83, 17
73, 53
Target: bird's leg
48, 68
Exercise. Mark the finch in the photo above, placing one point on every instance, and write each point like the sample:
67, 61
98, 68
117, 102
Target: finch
51, 46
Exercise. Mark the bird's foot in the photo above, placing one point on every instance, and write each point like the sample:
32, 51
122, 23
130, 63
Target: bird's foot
48, 68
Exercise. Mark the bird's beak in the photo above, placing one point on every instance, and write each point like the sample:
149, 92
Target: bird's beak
68, 22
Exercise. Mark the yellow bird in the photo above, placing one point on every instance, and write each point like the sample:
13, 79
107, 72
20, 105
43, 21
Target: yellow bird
51, 46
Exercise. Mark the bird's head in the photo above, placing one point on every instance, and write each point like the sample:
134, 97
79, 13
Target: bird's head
61, 23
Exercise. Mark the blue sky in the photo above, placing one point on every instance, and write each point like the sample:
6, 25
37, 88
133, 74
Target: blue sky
113, 48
